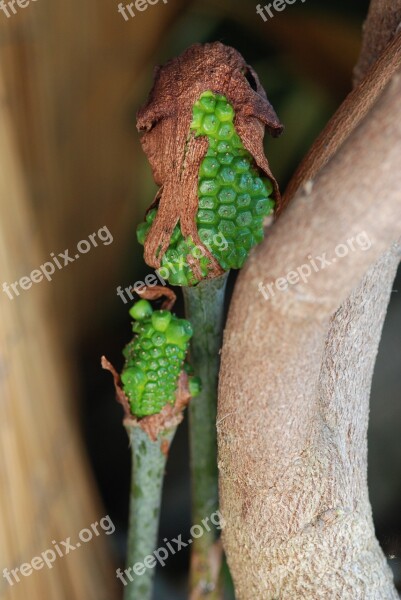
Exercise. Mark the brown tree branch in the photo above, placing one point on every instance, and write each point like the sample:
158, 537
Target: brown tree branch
359, 190
293, 453
355, 107
380, 27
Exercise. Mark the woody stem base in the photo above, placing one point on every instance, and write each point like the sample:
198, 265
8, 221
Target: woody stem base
204, 307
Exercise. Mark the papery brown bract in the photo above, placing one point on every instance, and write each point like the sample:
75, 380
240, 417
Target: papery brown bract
175, 154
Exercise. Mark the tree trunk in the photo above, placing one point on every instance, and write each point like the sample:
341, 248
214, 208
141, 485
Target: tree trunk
294, 489
293, 455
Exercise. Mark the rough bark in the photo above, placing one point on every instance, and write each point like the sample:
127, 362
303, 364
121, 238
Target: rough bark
293, 456
294, 492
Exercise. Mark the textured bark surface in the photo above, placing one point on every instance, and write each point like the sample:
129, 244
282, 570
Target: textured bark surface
292, 455
294, 492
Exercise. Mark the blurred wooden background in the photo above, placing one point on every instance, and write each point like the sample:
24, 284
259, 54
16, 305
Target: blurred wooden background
72, 71
68, 77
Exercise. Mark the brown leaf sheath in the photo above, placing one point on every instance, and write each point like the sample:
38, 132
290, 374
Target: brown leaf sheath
155, 293
175, 154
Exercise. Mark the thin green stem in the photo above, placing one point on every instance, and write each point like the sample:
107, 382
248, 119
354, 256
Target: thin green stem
148, 466
204, 306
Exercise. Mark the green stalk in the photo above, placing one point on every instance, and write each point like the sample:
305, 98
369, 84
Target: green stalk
204, 307
148, 466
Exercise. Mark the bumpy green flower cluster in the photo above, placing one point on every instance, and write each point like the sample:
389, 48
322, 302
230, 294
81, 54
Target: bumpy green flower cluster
155, 358
175, 267
233, 199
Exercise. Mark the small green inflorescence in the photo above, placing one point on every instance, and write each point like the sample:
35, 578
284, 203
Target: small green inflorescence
233, 199
155, 358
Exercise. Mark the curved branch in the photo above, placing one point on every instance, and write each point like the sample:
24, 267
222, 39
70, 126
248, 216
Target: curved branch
352, 111
292, 455
383, 20
359, 190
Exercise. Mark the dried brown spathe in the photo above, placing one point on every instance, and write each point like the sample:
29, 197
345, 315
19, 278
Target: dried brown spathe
175, 154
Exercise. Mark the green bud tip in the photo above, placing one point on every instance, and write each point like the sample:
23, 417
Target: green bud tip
141, 310
154, 359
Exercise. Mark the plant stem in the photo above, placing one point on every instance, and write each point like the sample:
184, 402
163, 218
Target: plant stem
204, 307
148, 465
